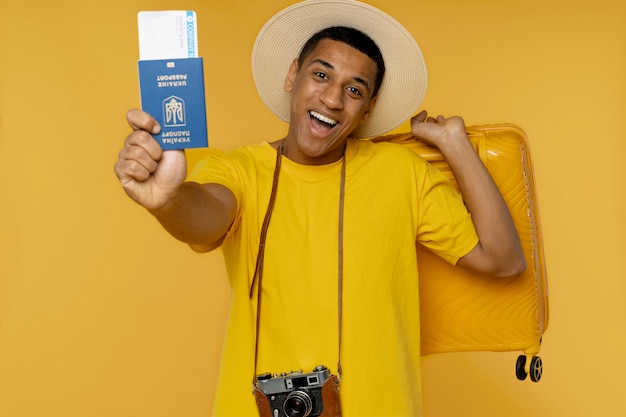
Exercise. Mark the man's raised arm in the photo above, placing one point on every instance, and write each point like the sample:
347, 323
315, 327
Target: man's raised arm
499, 251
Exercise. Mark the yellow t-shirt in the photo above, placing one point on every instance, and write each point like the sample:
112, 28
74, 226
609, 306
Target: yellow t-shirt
393, 199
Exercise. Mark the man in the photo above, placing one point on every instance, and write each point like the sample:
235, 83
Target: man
338, 238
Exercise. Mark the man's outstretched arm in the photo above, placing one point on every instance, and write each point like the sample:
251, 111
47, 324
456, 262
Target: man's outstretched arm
197, 214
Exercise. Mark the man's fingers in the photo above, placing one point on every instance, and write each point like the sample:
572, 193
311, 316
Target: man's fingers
140, 120
144, 140
128, 170
421, 116
139, 157
136, 163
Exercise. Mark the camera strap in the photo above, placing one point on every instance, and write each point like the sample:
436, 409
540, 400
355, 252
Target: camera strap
258, 272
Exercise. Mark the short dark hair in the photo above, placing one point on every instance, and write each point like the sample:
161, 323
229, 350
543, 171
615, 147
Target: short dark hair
354, 38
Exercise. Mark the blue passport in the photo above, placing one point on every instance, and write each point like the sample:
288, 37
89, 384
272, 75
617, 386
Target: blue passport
172, 91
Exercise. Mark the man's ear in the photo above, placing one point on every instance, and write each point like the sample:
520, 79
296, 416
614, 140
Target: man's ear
291, 76
370, 107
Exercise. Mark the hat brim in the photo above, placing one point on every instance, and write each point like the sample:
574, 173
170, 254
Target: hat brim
280, 40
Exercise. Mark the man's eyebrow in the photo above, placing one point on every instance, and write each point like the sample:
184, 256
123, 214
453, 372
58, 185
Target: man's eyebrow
330, 66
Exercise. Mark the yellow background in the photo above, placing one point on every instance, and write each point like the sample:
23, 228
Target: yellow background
103, 314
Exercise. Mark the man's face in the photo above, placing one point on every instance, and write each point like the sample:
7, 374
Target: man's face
330, 96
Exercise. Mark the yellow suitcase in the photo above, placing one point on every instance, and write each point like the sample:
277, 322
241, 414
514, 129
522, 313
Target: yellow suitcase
464, 311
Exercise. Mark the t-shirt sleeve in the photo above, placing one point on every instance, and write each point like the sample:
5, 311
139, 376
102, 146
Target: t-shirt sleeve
445, 225
218, 168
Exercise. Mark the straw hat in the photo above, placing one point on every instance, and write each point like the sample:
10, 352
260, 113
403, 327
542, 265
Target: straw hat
280, 40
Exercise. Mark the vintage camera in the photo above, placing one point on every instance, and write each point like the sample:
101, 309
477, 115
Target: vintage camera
298, 395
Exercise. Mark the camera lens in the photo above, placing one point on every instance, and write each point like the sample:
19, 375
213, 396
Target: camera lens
298, 404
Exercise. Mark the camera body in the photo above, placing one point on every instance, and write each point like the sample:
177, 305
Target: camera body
296, 394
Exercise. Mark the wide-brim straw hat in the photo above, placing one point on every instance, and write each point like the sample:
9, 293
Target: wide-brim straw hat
280, 40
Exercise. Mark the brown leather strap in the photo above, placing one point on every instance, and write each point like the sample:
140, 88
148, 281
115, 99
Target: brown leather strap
258, 271
342, 193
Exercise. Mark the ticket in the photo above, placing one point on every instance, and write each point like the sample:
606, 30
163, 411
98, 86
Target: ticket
167, 34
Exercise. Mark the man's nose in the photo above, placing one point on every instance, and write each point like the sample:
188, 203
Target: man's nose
332, 96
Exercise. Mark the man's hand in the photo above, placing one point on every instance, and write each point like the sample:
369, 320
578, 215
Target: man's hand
149, 175
438, 131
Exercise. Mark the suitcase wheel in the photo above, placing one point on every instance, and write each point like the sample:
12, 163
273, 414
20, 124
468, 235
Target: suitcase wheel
520, 372
535, 368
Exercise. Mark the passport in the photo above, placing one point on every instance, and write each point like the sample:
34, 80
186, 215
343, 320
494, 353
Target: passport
172, 91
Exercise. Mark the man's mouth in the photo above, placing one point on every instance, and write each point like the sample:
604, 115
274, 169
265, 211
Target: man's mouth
326, 121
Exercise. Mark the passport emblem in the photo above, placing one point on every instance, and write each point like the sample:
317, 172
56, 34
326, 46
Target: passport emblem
174, 112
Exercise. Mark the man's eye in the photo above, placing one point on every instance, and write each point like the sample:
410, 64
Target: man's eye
321, 75
355, 90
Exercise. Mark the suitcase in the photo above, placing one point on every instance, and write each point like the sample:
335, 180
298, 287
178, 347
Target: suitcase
466, 311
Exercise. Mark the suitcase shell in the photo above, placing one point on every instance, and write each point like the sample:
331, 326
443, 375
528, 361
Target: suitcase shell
463, 310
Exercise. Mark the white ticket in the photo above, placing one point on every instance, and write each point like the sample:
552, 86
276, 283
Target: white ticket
167, 34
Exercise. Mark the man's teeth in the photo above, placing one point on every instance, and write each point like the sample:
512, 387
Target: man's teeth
323, 118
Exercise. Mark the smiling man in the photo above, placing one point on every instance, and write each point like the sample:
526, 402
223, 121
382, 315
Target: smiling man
322, 224
333, 87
